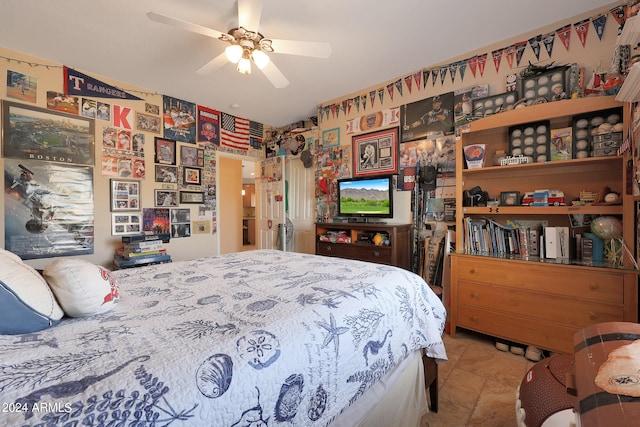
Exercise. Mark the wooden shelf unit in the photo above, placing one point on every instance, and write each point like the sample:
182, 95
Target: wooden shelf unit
533, 301
397, 253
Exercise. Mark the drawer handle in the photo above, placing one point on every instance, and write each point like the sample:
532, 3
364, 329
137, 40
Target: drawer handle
593, 286
474, 319
592, 315
376, 254
328, 248
474, 295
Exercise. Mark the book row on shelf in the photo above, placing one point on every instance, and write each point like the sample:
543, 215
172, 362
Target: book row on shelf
535, 239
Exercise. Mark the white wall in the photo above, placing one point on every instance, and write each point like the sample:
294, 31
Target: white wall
50, 78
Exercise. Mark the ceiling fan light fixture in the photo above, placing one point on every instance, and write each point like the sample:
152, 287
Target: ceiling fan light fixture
260, 58
233, 53
244, 65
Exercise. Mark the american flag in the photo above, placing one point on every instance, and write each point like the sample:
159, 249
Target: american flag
234, 132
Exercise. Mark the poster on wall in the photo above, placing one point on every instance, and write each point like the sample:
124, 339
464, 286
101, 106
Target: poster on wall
179, 119
22, 86
48, 209
428, 117
37, 134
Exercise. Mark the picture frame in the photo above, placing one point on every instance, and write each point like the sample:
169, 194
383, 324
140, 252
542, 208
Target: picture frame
509, 198
192, 197
375, 153
148, 123
166, 173
125, 195
123, 223
331, 137
191, 156
191, 176
165, 151
166, 198
54, 136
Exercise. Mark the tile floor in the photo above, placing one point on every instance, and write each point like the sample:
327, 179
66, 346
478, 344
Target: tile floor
477, 385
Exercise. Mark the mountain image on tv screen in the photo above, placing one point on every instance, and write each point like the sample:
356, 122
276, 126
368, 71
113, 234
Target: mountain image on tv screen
359, 199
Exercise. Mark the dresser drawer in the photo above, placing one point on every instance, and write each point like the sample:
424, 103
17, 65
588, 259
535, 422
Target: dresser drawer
540, 333
372, 253
562, 310
592, 284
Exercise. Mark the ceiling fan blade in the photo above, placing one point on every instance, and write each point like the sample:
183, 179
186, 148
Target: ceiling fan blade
293, 47
249, 12
213, 65
184, 25
275, 76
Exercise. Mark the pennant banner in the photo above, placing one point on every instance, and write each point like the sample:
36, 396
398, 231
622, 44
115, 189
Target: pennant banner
208, 125
79, 84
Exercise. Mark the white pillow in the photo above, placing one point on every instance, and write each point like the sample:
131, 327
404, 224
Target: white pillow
82, 288
26, 302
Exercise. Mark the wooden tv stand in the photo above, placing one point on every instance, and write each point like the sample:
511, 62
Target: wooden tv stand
397, 253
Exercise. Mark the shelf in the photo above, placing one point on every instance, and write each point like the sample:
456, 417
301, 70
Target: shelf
562, 166
544, 210
545, 111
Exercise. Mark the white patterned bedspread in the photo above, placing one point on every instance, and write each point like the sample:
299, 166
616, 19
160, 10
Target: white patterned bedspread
258, 338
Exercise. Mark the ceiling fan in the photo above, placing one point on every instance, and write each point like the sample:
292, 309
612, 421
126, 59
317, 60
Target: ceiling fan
247, 45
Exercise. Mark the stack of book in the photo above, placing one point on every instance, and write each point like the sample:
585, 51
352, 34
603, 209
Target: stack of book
485, 236
141, 249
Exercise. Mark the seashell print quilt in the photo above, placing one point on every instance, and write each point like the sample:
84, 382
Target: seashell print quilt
256, 338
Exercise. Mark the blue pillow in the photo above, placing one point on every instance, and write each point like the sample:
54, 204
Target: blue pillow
26, 301
17, 317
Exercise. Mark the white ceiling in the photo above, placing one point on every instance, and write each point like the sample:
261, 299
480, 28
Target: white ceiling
372, 42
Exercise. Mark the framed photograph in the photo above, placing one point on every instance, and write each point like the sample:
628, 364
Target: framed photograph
375, 153
165, 150
123, 223
191, 156
194, 197
125, 195
167, 174
39, 134
331, 137
164, 198
191, 176
148, 123
509, 198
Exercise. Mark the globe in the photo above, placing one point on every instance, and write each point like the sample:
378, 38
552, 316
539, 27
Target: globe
606, 227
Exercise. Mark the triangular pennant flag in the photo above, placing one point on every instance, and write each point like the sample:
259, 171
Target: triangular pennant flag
619, 13
337, 110
333, 110
582, 29
548, 40
497, 58
482, 60
452, 71
434, 77
407, 81
390, 90
425, 76
462, 66
356, 101
599, 22
534, 43
363, 97
381, 95
344, 106
417, 77
349, 105
520, 47
565, 35
510, 54
398, 84
372, 97
443, 74
473, 63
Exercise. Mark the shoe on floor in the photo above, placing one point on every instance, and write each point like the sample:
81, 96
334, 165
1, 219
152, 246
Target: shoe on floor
533, 354
517, 349
502, 345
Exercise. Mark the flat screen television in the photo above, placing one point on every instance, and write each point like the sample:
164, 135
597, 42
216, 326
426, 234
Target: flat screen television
367, 197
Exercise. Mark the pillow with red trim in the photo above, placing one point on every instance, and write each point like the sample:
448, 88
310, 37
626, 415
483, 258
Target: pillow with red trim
81, 287
26, 301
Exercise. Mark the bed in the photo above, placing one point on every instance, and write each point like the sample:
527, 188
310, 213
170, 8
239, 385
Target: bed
253, 338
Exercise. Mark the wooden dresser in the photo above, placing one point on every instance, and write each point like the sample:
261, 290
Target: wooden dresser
397, 253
